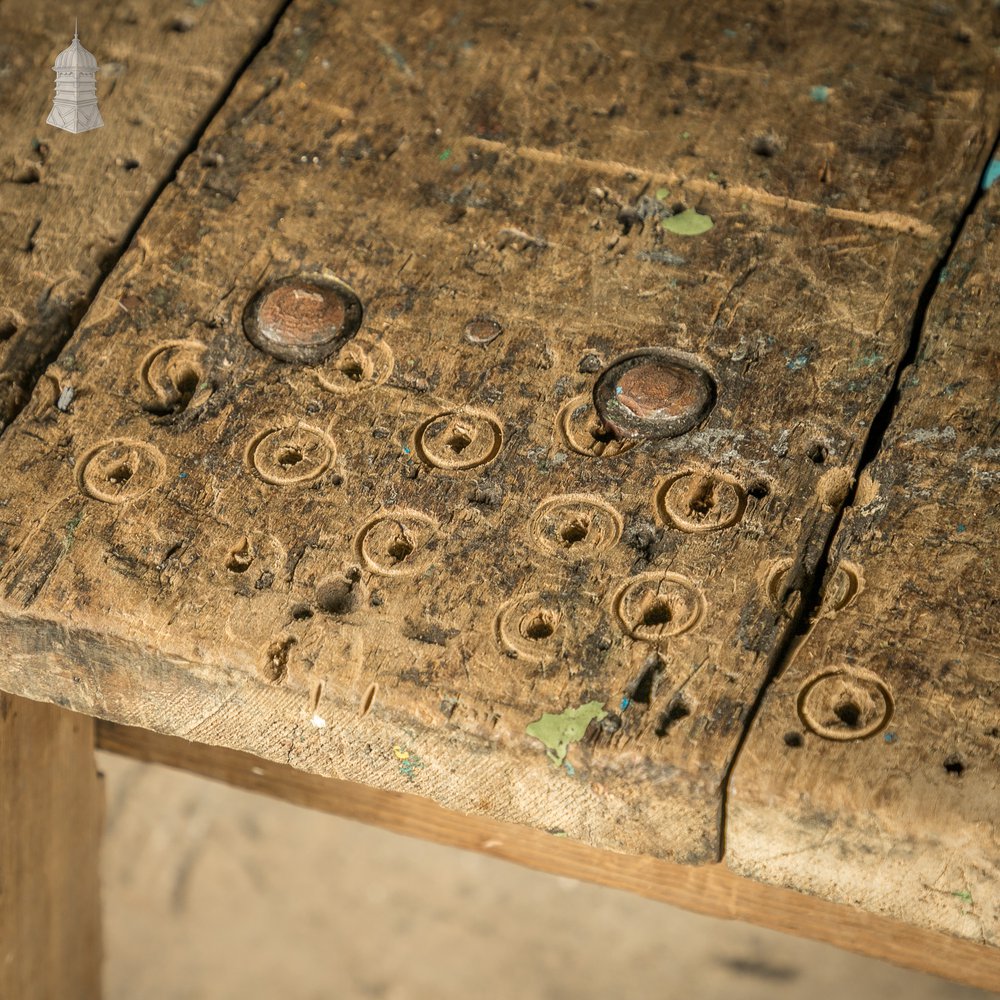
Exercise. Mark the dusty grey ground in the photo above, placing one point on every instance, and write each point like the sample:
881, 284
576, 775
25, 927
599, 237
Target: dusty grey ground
213, 893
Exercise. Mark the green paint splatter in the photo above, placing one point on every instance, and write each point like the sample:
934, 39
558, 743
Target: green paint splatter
558, 731
685, 135
690, 222
444, 154
662, 194
71, 525
409, 763
819, 94
965, 896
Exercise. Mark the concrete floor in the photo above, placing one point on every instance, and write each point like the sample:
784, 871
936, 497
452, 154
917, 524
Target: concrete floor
216, 893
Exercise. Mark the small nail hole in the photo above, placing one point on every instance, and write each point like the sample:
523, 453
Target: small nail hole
849, 714
676, 711
954, 765
120, 474
400, 549
764, 145
130, 164
793, 739
817, 453
288, 457
538, 627
758, 490
29, 175
574, 531
301, 612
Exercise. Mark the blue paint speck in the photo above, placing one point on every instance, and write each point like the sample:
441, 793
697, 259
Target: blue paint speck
890, 737
569, 768
991, 174
819, 94
625, 704
406, 450
618, 390
960, 528
182, 475
798, 362
729, 33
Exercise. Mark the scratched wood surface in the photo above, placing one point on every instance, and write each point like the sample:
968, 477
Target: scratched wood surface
51, 811
710, 889
68, 202
872, 775
405, 563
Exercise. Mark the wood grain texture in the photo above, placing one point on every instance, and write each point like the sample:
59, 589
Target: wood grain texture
289, 560
51, 811
889, 795
708, 889
68, 202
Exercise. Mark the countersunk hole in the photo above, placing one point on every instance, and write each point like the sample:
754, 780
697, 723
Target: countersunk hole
793, 739
302, 612
849, 713
954, 765
817, 453
29, 175
400, 549
366, 703
574, 530
655, 610
764, 145
758, 490
458, 439
289, 456
120, 474
538, 626
676, 711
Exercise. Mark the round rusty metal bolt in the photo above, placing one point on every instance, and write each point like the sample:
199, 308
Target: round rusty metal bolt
653, 394
303, 318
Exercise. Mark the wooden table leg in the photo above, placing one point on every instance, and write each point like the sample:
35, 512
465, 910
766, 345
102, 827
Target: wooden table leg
51, 807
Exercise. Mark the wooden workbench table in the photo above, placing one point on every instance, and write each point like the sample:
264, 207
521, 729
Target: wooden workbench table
562, 431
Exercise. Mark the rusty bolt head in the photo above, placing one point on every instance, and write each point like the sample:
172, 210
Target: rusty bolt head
302, 318
653, 394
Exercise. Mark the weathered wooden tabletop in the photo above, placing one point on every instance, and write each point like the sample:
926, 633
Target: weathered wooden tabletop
581, 415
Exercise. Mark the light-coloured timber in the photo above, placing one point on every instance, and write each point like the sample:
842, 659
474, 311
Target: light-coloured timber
397, 565
872, 775
51, 810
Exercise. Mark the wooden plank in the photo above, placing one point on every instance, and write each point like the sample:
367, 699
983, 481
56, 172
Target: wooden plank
51, 811
873, 772
404, 564
708, 889
68, 203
